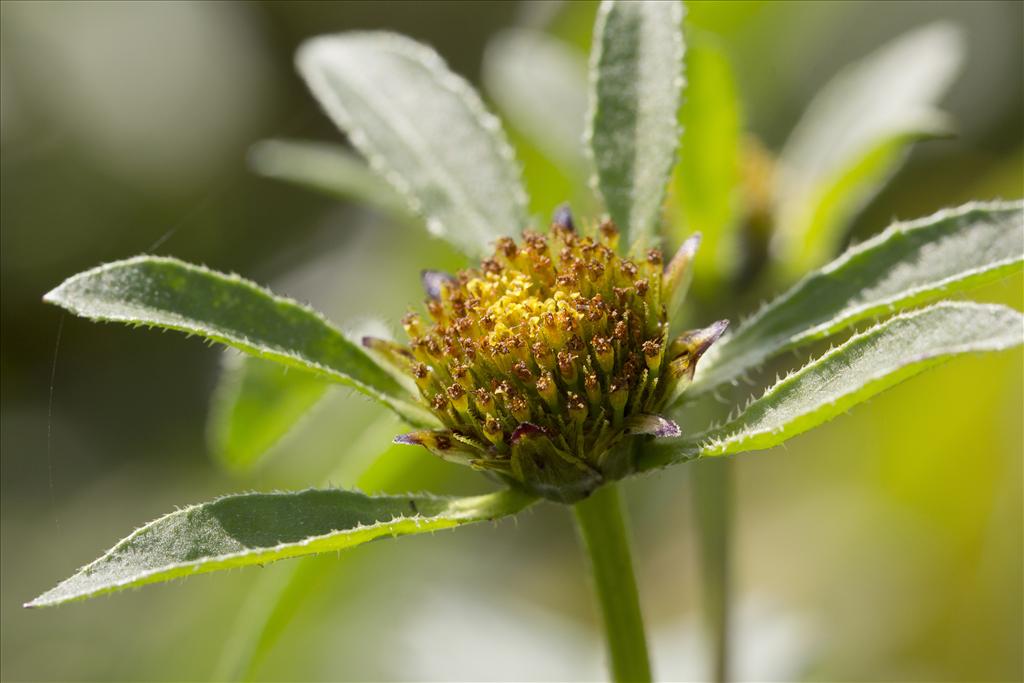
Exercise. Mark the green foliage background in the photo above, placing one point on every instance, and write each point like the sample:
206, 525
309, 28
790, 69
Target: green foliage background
886, 545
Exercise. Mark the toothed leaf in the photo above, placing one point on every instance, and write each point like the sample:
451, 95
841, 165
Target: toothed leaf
423, 129
256, 528
168, 293
907, 264
632, 127
867, 364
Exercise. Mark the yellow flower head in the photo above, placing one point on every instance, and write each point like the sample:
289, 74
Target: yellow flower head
542, 361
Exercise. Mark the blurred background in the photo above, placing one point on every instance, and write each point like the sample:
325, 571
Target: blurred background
885, 546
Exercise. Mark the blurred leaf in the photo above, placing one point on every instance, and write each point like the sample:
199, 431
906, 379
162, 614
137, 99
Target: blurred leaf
865, 365
255, 404
256, 528
707, 177
550, 184
328, 168
636, 84
725, 16
853, 137
539, 84
907, 264
165, 292
268, 609
423, 129
272, 605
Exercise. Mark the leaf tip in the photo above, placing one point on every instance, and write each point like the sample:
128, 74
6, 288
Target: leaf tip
52, 297
41, 601
58, 295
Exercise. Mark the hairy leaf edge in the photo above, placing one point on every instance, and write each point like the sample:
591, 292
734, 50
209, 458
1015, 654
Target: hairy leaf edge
848, 316
400, 403
487, 507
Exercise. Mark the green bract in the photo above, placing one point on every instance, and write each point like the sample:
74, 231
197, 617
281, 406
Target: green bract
557, 363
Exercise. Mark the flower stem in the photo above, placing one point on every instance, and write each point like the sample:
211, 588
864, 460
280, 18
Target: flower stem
712, 498
602, 528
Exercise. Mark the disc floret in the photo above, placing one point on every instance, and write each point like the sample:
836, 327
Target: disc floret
544, 359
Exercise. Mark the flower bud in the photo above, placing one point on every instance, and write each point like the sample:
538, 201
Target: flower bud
567, 366
604, 354
493, 430
483, 402
577, 408
548, 391
593, 388
652, 354
459, 399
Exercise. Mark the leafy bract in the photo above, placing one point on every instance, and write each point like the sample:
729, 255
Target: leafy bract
328, 168
853, 137
255, 404
423, 129
706, 180
168, 293
256, 528
907, 264
632, 127
539, 84
865, 365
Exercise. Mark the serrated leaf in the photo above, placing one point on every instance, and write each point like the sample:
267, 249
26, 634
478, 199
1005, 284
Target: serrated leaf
907, 264
707, 176
256, 528
165, 292
328, 168
865, 365
853, 137
255, 404
539, 84
423, 129
632, 127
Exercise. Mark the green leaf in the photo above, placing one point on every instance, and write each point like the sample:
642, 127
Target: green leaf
632, 127
854, 136
423, 129
168, 293
328, 168
256, 528
255, 404
539, 84
867, 364
277, 596
907, 264
707, 177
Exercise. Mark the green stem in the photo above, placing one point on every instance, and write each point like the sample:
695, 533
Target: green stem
712, 497
602, 528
